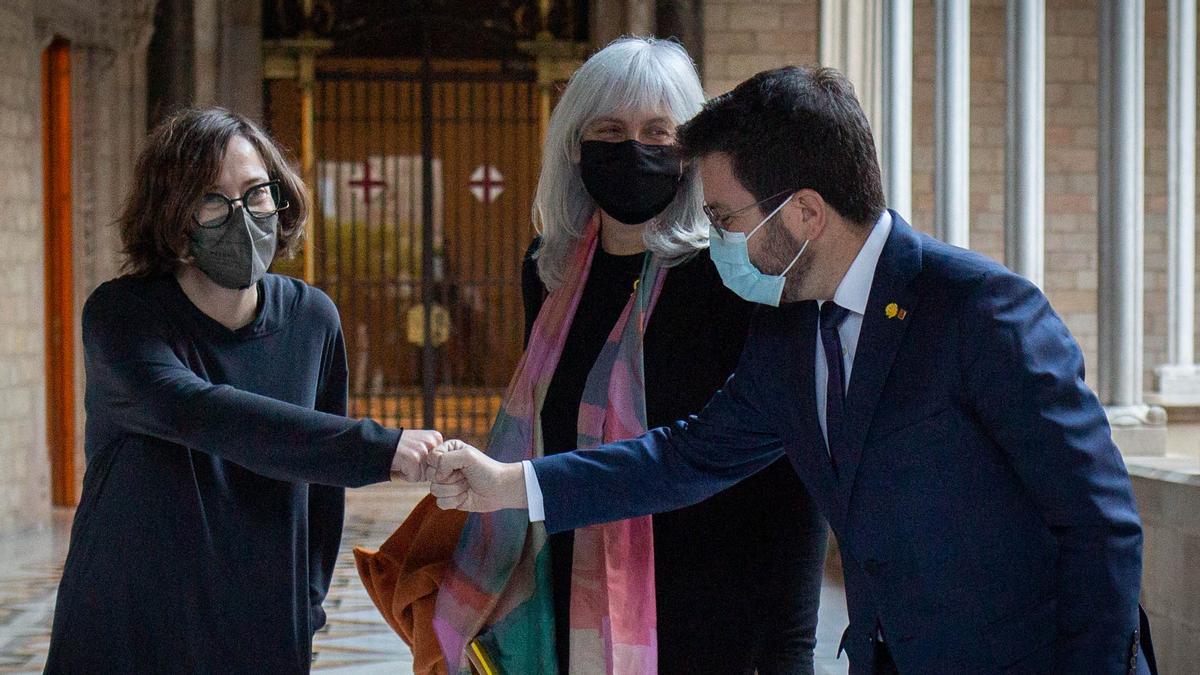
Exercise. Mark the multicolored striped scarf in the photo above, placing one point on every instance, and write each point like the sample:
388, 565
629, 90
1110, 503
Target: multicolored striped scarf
495, 605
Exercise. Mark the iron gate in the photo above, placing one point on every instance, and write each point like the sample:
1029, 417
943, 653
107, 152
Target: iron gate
424, 181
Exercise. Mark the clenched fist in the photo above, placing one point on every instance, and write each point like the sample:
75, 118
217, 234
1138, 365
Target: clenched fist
412, 454
464, 478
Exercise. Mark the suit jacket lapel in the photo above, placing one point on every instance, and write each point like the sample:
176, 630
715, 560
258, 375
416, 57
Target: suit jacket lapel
878, 342
813, 455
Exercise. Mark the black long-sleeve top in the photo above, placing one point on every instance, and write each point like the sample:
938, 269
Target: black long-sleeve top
213, 499
734, 574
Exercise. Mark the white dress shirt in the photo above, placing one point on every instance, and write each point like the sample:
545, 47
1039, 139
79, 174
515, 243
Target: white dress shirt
852, 293
533, 494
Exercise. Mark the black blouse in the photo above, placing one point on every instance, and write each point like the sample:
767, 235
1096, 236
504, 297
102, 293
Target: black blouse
211, 515
749, 553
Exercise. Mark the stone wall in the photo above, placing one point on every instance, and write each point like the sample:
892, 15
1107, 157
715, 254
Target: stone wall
1072, 140
743, 37
109, 87
107, 100
1168, 495
24, 482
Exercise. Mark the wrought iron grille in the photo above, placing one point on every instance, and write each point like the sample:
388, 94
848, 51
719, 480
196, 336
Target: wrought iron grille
424, 182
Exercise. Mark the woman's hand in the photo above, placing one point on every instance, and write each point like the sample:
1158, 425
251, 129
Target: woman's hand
412, 454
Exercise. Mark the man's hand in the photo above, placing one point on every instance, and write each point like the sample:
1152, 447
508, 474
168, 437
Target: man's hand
466, 479
412, 454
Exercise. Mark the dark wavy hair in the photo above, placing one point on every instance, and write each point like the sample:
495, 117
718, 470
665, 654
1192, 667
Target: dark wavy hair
793, 128
180, 161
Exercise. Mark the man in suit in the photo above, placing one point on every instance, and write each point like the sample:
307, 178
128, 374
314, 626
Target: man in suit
931, 400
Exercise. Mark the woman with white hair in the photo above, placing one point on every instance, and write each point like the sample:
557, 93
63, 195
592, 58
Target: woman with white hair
629, 327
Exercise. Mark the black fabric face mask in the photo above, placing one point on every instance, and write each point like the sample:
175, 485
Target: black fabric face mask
632, 182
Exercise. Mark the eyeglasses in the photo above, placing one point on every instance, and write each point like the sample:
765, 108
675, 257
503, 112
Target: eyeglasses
718, 221
260, 201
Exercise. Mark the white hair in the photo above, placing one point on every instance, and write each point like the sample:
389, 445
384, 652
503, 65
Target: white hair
631, 73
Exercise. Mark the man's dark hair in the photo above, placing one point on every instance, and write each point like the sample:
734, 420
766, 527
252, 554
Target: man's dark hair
178, 164
789, 129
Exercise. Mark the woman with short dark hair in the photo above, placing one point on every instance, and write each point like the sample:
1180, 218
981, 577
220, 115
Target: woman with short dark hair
217, 444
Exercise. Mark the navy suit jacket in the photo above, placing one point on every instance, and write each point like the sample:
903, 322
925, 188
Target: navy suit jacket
986, 520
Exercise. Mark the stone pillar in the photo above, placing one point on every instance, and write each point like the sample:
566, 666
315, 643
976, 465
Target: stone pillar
135, 27
170, 60
1024, 185
897, 105
851, 40
610, 19
206, 51
684, 20
641, 17
240, 61
106, 145
606, 19
952, 123
25, 494
1178, 380
1139, 429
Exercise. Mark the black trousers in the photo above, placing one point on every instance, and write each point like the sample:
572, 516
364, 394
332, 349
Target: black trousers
721, 630
884, 665
737, 580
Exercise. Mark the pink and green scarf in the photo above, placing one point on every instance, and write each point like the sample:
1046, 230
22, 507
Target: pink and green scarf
495, 603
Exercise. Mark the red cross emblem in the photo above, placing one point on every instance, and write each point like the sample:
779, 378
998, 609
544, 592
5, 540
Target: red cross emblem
487, 183
366, 183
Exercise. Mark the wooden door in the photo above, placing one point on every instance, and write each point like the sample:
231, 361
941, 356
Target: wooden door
59, 298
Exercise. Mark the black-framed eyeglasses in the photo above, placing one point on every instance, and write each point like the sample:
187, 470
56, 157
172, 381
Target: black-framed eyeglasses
718, 220
260, 201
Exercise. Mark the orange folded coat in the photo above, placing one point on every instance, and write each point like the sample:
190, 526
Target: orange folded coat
403, 576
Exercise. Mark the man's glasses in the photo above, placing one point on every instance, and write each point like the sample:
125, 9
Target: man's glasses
718, 220
260, 201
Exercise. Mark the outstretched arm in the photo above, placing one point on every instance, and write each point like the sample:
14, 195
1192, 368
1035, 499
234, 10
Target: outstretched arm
664, 469
149, 390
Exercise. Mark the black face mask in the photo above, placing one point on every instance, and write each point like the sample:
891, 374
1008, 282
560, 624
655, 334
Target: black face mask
632, 182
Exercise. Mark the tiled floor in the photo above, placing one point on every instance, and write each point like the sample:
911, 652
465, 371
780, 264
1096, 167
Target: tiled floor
355, 641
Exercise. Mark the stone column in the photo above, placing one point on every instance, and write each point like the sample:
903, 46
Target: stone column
240, 61
1138, 428
897, 105
641, 17
684, 20
171, 72
952, 123
610, 19
206, 51
1024, 185
851, 41
1179, 378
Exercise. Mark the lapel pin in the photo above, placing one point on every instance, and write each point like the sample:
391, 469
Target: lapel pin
893, 311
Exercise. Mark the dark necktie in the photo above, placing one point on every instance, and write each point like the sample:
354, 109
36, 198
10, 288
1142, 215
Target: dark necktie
835, 389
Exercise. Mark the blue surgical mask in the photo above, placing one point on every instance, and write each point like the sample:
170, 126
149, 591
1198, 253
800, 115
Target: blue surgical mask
731, 255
